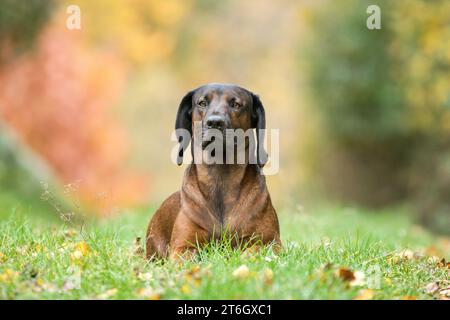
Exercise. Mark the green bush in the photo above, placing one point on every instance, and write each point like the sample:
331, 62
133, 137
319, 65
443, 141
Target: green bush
382, 97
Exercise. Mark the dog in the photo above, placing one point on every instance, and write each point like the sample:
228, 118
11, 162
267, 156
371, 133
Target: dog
216, 198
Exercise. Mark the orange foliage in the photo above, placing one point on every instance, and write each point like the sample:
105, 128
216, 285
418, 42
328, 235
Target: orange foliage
58, 98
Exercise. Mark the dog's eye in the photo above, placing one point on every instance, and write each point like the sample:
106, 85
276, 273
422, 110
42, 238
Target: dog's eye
202, 103
236, 105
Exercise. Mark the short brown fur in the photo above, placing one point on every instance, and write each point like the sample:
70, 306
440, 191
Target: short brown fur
218, 197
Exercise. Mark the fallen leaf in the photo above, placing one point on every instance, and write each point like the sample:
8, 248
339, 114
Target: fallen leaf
9, 276
443, 264
434, 260
359, 279
409, 298
445, 292
72, 282
268, 276
408, 254
39, 285
107, 294
70, 233
82, 247
345, 274
186, 289
149, 293
242, 272
365, 294
432, 287
194, 275
80, 251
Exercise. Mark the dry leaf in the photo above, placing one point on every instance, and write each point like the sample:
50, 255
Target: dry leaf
71, 283
445, 292
149, 293
359, 279
39, 285
70, 233
268, 276
365, 294
107, 294
9, 276
408, 254
242, 272
82, 247
353, 278
432, 287
194, 275
186, 289
345, 274
443, 264
434, 260
81, 250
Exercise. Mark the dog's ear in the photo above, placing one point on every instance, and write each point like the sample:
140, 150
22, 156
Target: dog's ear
259, 122
184, 121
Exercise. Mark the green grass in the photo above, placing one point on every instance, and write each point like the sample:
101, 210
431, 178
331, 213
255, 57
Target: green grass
38, 260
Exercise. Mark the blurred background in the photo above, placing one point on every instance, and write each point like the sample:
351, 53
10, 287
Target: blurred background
364, 115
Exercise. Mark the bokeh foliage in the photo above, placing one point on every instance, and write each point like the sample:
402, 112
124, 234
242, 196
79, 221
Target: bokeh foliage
370, 126
383, 98
21, 21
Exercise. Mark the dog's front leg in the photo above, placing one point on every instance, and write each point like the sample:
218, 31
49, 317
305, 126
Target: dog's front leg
186, 237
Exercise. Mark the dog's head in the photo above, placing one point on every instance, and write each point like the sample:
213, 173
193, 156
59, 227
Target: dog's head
222, 107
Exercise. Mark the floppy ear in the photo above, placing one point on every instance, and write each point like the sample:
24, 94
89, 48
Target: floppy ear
259, 122
184, 121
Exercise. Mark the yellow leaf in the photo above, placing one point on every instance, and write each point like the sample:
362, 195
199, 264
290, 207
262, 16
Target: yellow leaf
82, 247
8, 276
268, 276
81, 250
186, 289
242, 272
149, 293
366, 294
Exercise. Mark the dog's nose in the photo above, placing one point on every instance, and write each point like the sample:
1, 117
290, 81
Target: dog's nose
215, 122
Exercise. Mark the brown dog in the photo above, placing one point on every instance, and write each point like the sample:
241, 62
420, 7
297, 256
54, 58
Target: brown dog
216, 197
